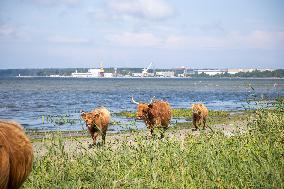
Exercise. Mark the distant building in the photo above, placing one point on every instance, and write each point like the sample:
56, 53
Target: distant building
233, 71
211, 71
237, 70
247, 69
108, 75
266, 69
184, 71
137, 74
90, 74
165, 74
143, 74
190, 72
57, 75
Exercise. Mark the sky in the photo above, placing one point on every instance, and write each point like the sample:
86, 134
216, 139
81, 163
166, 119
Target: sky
133, 33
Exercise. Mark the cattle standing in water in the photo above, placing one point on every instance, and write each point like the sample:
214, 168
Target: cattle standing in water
97, 122
199, 114
157, 113
16, 155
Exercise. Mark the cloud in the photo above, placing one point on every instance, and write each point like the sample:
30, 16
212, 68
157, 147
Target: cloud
55, 2
128, 39
231, 40
9, 32
136, 9
134, 39
174, 41
67, 39
263, 39
256, 39
6, 30
217, 26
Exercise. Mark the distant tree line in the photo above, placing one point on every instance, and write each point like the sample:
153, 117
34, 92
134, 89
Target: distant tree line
257, 73
279, 73
38, 72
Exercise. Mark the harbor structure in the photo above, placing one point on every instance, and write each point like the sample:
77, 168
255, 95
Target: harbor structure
165, 74
92, 73
237, 70
211, 71
144, 72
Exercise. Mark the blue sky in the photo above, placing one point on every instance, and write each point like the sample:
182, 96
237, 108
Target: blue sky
133, 33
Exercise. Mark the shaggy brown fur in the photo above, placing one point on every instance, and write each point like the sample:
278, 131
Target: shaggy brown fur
156, 114
16, 155
97, 122
199, 114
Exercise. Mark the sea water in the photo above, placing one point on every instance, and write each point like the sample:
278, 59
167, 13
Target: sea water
33, 102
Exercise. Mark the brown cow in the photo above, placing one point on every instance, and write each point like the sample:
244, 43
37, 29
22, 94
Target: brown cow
157, 113
199, 114
97, 122
16, 155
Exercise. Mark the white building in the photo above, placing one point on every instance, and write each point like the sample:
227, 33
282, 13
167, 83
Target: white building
108, 75
266, 69
165, 74
136, 74
92, 73
143, 74
234, 71
237, 70
211, 71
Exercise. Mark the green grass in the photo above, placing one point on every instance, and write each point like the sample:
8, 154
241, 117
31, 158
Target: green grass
225, 118
178, 113
253, 159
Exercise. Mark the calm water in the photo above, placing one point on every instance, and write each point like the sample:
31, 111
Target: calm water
30, 100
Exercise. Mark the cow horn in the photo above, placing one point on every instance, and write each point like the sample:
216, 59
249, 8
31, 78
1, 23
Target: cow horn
152, 99
132, 100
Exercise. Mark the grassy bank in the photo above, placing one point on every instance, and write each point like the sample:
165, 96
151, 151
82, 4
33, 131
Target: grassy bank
178, 113
253, 159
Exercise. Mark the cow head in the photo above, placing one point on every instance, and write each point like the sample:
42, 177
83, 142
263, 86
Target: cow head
196, 109
90, 118
142, 108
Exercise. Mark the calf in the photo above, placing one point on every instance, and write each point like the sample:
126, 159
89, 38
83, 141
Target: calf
199, 114
16, 155
97, 122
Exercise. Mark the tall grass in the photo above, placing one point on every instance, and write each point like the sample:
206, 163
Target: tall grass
254, 159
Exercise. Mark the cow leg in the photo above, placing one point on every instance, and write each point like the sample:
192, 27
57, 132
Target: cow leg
104, 137
158, 122
204, 123
94, 134
194, 123
95, 137
91, 131
163, 132
151, 131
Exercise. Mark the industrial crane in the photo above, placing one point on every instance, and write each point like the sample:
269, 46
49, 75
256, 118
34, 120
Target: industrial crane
145, 70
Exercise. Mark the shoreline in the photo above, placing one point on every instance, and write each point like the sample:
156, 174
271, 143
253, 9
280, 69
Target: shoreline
70, 77
213, 121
